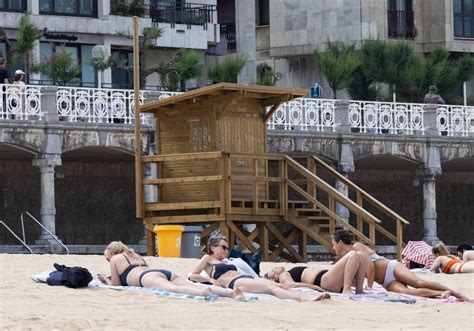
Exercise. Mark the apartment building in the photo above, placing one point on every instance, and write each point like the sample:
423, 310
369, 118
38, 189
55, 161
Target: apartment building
78, 25
284, 33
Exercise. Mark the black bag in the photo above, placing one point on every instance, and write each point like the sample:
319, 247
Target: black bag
70, 276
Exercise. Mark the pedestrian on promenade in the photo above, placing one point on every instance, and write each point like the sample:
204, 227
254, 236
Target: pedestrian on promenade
433, 97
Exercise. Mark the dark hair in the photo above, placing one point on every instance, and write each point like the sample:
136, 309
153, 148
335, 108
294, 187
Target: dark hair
214, 241
342, 235
464, 247
433, 88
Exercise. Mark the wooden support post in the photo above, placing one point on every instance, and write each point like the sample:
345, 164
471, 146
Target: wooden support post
228, 185
372, 233
303, 245
399, 240
277, 251
360, 223
311, 187
255, 187
332, 220
224, 230
283, 173
264, 241
150, 243
222, 186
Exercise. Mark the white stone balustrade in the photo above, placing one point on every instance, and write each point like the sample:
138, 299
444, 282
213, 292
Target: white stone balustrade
20, 102
92, 105
305, 114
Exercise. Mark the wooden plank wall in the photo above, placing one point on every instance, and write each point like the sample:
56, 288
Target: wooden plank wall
180, 135
241, 130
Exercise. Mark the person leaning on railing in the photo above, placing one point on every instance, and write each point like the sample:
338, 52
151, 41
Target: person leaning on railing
433, 97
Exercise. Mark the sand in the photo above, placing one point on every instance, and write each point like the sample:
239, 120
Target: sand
25, 304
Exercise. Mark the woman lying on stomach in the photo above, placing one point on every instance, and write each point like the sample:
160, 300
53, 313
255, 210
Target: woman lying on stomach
215, 263
448, 263
127, 268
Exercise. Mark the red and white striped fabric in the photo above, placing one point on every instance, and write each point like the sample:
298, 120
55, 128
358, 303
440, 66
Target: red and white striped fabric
419, 252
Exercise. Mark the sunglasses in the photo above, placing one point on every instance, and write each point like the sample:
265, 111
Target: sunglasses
224, 247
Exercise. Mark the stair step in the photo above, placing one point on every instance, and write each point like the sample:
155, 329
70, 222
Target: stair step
318, 218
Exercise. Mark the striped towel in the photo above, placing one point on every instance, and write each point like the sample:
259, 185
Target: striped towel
419, 252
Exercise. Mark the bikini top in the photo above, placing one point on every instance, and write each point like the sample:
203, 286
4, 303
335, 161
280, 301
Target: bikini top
221, 268
375, 257
296, 273
130, 267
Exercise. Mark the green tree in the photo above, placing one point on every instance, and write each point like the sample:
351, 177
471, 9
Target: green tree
27, 34
60, 67
187, 66
338, 64
228, 70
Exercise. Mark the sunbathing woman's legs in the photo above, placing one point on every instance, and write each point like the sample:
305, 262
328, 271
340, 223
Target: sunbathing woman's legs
263, 286
421, 287
349, 269
236, 293
159, 281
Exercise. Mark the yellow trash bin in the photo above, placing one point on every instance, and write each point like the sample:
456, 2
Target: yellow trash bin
169, 240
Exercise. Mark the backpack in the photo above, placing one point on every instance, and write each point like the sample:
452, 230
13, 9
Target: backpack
69, 276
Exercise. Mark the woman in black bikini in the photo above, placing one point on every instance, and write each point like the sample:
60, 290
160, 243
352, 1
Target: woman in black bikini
130, 269
347, 271
223, 274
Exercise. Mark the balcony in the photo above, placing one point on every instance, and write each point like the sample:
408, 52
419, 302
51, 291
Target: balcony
116, 107
228, 35
167, 12
401, 24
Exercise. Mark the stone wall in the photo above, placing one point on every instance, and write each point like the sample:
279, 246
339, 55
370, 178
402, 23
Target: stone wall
95, 201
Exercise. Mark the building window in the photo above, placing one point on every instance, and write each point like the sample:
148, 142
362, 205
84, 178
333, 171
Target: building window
401, 19
86, 8
463, 18
263, 12
120, 78
13, 5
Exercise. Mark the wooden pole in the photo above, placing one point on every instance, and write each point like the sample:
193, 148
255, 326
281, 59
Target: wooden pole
138, 145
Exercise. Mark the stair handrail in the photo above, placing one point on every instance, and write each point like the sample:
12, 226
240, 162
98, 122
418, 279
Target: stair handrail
342, 199
42, 226
364, 193
14, 234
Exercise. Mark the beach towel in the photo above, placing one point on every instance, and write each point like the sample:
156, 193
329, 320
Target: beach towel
418, 252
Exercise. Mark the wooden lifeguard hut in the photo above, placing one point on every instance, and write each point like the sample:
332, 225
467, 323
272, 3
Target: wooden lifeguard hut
213, 169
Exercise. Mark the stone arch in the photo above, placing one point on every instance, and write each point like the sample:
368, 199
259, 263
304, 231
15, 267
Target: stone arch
414, 152
449, 152
391, 158
25, 147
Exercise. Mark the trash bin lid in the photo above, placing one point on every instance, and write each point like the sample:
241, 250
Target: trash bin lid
192, 229
168, 228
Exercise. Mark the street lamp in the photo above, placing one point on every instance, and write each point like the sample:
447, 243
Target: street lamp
99, 52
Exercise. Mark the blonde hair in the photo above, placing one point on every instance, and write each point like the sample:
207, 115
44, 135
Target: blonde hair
441, 249
118, 247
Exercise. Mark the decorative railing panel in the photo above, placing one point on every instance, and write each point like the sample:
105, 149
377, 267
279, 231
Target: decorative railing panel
455, 120
386, 117
305, 114
20, 102
96, 106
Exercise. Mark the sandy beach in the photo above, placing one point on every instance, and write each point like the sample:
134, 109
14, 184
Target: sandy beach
25, 304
